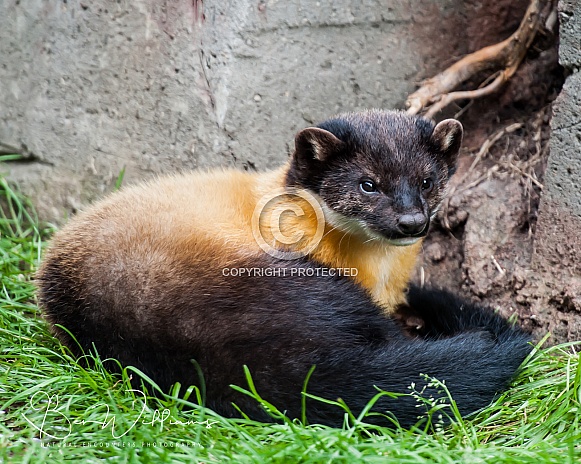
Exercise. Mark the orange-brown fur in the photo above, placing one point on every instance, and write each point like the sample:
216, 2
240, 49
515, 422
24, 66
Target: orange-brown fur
206, 216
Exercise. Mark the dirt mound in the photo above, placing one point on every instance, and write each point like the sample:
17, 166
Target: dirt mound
482, 242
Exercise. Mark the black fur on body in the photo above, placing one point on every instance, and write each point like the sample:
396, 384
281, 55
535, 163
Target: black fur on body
279, 327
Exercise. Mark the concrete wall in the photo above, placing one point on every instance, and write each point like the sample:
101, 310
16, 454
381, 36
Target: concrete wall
564, 168
90, 87
557, 255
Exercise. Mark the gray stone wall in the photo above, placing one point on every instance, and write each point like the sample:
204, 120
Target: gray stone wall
564, 167
557, 254
90, 87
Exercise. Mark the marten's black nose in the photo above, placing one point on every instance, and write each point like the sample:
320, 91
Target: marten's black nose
412, 224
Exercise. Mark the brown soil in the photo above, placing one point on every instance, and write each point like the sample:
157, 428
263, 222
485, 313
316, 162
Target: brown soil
481, 244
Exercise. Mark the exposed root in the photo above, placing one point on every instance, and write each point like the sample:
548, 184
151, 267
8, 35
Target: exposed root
501, 60
488, 143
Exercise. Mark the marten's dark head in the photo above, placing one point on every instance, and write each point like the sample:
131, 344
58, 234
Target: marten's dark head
380, 173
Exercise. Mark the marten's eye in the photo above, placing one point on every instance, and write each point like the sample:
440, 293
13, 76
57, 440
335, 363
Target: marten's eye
368, 186
427, 185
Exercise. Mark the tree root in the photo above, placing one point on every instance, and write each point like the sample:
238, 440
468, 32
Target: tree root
501, 59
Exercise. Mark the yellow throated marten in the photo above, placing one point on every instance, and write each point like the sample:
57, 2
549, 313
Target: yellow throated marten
151, 276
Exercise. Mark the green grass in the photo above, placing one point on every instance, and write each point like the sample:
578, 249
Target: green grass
53, 410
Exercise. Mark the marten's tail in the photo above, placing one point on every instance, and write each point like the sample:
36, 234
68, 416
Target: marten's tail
445, 315
470, 348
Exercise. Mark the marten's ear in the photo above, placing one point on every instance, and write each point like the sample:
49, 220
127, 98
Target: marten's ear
317, 144
447, 139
